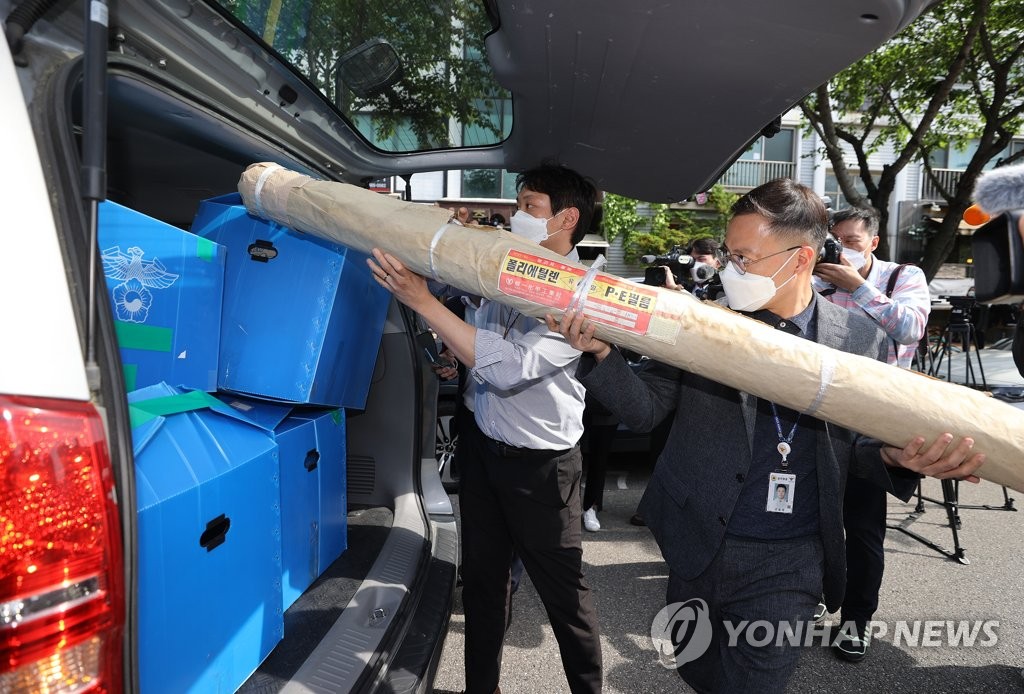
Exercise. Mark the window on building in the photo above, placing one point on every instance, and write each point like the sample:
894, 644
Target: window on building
838, 200
489, 183
401, 138
957, 157
777, 148
765, 159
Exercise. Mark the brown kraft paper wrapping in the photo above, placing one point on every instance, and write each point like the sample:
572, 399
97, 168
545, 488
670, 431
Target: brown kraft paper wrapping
865, 395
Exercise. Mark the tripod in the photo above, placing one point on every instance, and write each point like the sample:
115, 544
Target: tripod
951, 503
958, 331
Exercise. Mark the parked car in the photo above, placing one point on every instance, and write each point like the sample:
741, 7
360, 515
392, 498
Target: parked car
160, 104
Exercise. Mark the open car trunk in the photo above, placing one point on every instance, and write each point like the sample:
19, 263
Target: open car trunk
376, 617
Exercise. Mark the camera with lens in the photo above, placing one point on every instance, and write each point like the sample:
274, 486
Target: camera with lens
962, 309
685, 270
831, 250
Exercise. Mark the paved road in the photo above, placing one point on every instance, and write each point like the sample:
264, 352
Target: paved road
628, 577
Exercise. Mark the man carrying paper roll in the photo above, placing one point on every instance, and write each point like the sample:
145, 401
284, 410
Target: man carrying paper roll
712, 499
520, 463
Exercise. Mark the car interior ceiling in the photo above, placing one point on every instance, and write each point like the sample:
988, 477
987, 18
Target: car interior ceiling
165, 154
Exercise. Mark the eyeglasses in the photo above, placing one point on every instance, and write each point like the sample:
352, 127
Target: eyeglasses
742, 264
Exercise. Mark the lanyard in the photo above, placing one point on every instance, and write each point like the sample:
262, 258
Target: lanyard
784, 448
512, 318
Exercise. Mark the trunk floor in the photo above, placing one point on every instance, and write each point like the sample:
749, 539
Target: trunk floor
312, 615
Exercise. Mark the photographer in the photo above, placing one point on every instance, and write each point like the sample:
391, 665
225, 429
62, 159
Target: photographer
895, 297
694, 270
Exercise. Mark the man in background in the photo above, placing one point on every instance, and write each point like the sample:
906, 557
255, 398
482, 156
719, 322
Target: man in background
896, 298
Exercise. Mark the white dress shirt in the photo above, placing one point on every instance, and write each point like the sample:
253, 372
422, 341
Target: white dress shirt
524, 383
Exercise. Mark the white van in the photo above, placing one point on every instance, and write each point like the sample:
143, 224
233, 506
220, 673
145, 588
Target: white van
648, 99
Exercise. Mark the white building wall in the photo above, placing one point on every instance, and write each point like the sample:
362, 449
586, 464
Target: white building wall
912, 188
808, 160
426, 187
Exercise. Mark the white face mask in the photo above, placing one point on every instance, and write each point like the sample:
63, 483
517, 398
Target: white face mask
531, 228
750, 292
856, 258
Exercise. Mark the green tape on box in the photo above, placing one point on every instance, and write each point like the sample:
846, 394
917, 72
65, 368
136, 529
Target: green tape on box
336, 417
205, 249
147, 337
131, 374
142, 412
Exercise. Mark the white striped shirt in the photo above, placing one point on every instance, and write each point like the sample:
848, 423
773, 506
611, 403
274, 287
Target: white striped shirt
525, 389
903, 317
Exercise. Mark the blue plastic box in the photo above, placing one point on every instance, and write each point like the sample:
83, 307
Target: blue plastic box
314, 507
166, 288
209, 538
302, 317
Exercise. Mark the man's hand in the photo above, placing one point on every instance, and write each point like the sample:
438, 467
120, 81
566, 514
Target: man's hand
843, 275
447, 367
940, 460
579, 332
407, 286
670, 280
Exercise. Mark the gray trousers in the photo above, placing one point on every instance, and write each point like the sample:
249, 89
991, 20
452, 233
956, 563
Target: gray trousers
777, 582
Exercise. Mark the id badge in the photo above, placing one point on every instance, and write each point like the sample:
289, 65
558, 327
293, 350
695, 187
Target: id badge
781, 491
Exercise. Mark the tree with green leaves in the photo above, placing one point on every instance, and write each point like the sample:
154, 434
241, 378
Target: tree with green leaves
656, 228
444, 76
953, 78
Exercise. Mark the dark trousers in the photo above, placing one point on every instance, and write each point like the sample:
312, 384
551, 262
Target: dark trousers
750, 580
864, 509
528, 503
599, 446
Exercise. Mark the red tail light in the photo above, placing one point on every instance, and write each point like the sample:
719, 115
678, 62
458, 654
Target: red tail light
61, 594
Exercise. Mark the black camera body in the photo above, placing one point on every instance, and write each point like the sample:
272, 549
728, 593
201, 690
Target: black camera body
831, 250
683, 268
998, 249
677, 261
962, 310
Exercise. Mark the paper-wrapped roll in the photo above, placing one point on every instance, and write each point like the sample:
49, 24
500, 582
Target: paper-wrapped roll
862, 394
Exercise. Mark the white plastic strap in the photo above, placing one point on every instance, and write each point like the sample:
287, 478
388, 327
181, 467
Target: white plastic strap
828, 372
579, 297
433, 245
258, 190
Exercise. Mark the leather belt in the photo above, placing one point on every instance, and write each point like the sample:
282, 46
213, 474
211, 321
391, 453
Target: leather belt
505, 450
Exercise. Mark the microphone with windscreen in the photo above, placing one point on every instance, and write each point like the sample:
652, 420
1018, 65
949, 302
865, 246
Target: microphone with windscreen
998, 246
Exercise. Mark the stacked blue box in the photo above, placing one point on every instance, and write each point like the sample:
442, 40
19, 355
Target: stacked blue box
302, 317
209, 538
330, 439
166, 288
314, 530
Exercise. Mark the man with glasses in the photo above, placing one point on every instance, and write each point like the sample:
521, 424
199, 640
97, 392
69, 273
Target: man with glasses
710, 501
896, 297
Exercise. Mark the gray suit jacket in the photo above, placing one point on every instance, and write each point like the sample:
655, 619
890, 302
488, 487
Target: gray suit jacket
697, 480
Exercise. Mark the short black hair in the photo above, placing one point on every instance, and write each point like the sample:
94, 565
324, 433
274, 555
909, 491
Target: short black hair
869, 215
793, 210
704, 246
565, 188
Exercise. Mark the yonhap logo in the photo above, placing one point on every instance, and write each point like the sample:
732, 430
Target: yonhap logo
681, 632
